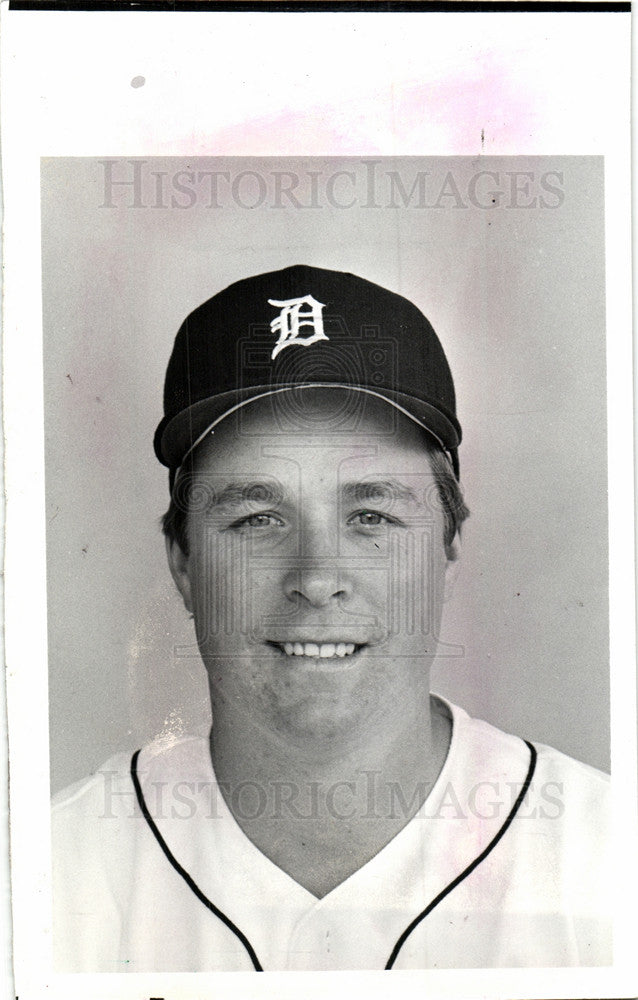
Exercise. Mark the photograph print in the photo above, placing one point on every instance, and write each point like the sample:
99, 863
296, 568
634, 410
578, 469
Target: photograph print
326, 485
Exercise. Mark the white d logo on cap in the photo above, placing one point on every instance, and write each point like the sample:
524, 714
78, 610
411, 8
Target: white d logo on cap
291, 319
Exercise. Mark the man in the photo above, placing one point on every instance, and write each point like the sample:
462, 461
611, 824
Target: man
341, 816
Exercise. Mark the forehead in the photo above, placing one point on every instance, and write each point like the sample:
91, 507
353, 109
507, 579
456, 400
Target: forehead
322, 430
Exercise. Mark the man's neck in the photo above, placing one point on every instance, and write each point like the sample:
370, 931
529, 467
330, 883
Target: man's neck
320, 813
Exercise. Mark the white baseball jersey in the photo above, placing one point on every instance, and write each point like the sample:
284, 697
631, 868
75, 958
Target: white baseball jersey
504, 865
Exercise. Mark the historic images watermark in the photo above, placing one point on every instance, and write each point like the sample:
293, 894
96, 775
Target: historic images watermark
367, 798
135, 184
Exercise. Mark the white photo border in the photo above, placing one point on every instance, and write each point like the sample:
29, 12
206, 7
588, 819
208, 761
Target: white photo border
66, 92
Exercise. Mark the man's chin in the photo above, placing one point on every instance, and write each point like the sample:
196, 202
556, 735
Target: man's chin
319, 721
318, 728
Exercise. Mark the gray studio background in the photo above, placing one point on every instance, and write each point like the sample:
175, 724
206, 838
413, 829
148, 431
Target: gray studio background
516, 295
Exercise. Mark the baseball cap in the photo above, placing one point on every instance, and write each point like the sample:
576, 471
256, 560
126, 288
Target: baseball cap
277, 332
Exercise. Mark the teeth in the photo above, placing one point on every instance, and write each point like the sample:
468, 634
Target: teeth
323, 650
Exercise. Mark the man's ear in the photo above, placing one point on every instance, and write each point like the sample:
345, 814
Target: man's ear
178, 563
453, 553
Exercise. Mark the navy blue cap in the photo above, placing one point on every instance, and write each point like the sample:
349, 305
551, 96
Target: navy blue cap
303, 326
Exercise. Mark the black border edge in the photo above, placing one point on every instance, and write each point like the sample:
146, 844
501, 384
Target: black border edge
334, 6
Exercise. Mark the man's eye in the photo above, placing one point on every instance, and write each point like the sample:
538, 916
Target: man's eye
258, 521
369, 519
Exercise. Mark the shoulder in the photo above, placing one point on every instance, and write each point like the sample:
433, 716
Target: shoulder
101, 842
554, 813
107, 869
114, 769
573, 797
502, 749
109, 795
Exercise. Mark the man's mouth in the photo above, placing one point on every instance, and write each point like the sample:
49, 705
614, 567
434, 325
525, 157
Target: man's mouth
319, 650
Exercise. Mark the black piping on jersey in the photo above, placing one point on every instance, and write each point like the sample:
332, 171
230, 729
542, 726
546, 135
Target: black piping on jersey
182, 871
411, 926
470, 868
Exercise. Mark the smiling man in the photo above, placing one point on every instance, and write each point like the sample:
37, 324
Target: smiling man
340, 816
318, 685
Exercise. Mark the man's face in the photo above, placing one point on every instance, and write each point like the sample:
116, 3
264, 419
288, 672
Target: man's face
316, 573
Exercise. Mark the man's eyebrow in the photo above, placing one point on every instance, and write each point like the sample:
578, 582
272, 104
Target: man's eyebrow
378, 490
250, 491
237, 494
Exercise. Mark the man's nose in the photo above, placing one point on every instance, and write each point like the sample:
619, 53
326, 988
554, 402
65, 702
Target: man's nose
317, 585
319, 576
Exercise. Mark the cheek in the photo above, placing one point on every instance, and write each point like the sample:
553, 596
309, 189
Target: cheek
412, 587
234, 591
214, 585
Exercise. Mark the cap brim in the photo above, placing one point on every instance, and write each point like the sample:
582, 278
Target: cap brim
186, 430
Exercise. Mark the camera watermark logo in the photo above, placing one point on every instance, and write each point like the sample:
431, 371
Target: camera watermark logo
359, 362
